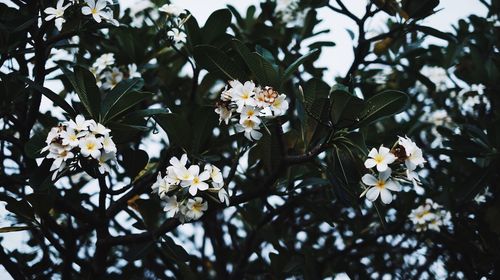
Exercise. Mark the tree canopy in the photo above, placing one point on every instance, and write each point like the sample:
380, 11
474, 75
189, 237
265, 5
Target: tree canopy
138, 143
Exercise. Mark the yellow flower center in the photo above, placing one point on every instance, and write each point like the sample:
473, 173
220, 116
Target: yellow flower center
380, 184
197, 207
196, 180
90, 146
94, 11
378, 158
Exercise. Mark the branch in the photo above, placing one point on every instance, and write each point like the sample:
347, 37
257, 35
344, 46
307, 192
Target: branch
11, 267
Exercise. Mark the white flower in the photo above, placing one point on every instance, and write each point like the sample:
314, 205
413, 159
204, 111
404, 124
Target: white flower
103, 160
108, 16
132, 71
227, 94
172, 177
96, 9
250, 127
215, 173
414, 155
79, 124
381, 185
430, 216
224, 113
172, 9
175, 162
112, 78
89, 146
242, 94
161, 186
381, 158
103, 61
97, 128
54, 133
171, 206
108, 144
250, 113
280, 105
198, 181
183, 174
57, 13
195, 208
439, 118
177, 35
60, 154
71, 137
221, 193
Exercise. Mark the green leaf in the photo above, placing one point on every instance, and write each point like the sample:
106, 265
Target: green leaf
294, 66
21, 208
13, 229
346, 107
126, 102
384, 104
177, 129
217, 62
174, 251
216, 25
148, 113
35, 144
204, 124
54, 97
120, 90
84, 84
134, 161
193, 31
260, 67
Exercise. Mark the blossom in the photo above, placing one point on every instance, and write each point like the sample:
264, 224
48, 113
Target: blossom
179, 163
195, 208
215, 173
414, 155
96, 8
161, 186
177, 35
250, 113
171, 205
79, 124
132, 71
280, 105
250, 127
70, 137
97, 128
89, 146
112, 78
381, 158
430, 216
172, 10
108, 144
57, 13
242, 94
103, 61
198, 180
103, 160
224, 113
108, 16
380, 186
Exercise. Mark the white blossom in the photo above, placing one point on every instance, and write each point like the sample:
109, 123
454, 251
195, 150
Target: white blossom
381, 158
171, 206
96, 8
90, 146
195, 208
380, 186
198, 180
57, 13
177, 35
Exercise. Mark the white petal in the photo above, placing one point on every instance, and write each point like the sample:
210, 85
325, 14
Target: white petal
373, 152
372, 194
86, 10
369, 163
386, 196
393, 186
369, 180
381, 167
384, 175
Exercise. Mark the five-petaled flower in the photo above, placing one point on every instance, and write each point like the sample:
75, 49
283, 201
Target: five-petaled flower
96, 8
57, 13
380, 186
381, 158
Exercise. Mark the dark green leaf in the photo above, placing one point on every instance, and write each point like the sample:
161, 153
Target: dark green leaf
217, 62
126, 102
384, 104
114, 96
216, 25
294, 66
134, 161
177, 129
54, 97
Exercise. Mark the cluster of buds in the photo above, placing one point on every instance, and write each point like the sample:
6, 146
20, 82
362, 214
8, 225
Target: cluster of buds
393, 166
75, 141
184, 188
430, 216
108, 75
248, 103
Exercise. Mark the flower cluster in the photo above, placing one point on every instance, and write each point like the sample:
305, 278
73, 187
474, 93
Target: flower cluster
174, 13
183, 188
77, 140
430, 216
252, 103
96, 8
108, 75
394, 165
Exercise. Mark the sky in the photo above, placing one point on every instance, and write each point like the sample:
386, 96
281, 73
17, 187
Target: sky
337, 59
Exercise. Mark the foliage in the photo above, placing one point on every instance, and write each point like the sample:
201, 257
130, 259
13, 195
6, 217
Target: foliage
154, 76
